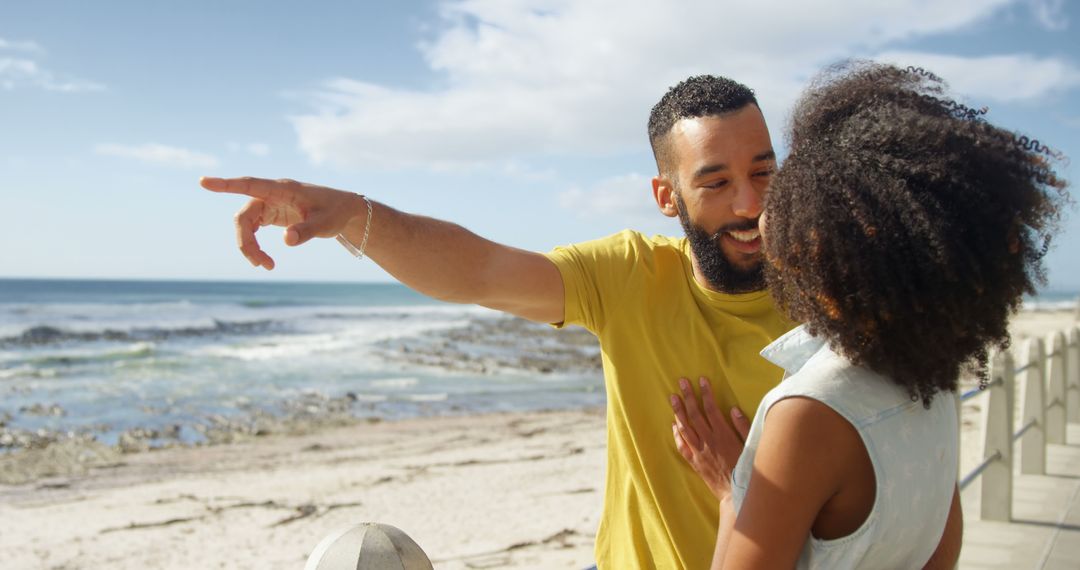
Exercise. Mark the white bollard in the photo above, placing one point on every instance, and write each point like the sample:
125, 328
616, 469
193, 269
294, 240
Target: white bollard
996, 503
1055, 389
368, 546
1033, 442
1072, 383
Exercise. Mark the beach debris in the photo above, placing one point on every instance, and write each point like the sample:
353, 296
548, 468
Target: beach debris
213, 509
138, 526
565, 538
562, 539
302, 512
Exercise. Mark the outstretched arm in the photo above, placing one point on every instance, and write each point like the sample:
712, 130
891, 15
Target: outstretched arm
437, 258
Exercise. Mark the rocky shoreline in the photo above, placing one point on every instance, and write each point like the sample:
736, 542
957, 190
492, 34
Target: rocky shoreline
483, 347
499, 345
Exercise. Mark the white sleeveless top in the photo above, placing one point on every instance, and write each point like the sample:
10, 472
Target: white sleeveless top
914, 452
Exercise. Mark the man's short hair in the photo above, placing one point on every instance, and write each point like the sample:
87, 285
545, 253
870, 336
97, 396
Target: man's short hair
697, 96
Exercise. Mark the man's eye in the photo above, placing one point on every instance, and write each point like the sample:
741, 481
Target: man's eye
769, 172
715, 185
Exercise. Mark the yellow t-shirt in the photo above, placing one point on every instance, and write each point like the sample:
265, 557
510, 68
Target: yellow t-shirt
656, 324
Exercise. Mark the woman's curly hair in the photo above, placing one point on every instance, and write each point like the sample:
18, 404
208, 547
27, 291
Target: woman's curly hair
903, 227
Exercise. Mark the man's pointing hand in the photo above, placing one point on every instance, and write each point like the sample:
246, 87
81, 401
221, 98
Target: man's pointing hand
306, 211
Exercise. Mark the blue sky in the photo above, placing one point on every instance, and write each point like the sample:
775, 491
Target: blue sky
523, 120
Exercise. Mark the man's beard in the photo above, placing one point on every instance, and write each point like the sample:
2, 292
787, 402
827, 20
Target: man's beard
718, 270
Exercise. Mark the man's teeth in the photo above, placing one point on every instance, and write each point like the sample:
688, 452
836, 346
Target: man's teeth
746, 236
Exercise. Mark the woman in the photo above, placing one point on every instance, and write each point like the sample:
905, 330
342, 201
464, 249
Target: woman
903, 231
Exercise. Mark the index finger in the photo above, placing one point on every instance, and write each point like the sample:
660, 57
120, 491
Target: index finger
260, 188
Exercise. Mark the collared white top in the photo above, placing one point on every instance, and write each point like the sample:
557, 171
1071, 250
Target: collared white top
914, 452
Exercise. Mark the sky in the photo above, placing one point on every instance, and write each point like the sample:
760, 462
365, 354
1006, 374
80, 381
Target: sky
523, 120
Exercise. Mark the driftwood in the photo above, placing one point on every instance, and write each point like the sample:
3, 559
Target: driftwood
301, 511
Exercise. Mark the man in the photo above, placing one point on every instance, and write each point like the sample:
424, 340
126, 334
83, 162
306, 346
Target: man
663, 308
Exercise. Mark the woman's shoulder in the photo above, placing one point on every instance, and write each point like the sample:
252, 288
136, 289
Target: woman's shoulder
855, 392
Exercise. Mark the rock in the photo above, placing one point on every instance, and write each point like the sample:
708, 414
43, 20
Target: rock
43, 410
67, 457
132, 443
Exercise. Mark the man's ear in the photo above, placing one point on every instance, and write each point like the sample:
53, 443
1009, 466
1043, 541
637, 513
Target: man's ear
664, 194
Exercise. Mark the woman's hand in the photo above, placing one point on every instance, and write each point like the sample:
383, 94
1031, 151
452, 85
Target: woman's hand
704, 438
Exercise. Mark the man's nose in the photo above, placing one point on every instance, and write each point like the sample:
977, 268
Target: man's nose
748, 201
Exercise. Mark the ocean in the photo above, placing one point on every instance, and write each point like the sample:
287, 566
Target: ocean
153, 363
170, 361
1053, 300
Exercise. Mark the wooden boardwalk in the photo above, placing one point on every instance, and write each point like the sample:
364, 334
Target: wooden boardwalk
1045, 527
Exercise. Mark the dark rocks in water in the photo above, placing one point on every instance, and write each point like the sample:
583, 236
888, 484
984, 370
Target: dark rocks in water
39, 335
11, 438
499, 345
484, 346
43, 410
140, 439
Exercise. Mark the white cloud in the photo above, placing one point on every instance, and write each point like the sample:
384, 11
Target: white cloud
1050, 14
159, 154
539, 77
19, 72
254, 149
1002, 78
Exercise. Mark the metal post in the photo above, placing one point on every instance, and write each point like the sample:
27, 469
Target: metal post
1033, 442
998, 425
1055, 389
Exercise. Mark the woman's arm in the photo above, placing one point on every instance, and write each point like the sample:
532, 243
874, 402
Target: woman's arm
947, 554
806, 454
727, 524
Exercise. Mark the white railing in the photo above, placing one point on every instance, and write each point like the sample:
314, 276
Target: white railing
1050, 392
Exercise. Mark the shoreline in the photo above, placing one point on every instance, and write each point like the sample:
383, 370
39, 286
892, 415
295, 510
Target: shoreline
484, 353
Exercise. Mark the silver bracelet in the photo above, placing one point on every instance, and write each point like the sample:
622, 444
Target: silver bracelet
358, 252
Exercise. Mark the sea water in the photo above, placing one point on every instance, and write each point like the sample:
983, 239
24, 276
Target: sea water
108, 356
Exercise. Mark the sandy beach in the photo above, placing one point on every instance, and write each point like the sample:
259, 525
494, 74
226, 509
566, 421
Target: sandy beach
512, 490
493, 491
